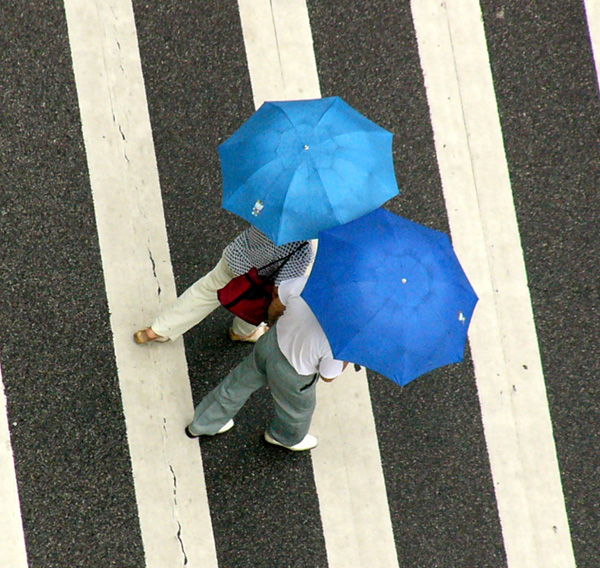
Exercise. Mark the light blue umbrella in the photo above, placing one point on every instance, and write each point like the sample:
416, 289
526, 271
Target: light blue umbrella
298, 167
391, 295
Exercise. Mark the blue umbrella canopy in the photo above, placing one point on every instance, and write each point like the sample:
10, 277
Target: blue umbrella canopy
295, 168
391, 295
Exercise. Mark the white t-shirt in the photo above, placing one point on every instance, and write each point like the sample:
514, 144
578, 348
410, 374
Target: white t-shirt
300, 336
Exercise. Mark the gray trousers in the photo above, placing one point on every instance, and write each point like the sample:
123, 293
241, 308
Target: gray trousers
294, 395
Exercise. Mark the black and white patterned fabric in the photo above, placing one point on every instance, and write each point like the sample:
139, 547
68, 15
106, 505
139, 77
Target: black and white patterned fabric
254, 249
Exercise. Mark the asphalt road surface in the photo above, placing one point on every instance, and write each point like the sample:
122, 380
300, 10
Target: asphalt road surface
83, 471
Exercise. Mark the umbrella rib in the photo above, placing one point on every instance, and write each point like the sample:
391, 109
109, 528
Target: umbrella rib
328, 109
282, 111
354, 126
334, 212
371, 318
288, 195
247, 183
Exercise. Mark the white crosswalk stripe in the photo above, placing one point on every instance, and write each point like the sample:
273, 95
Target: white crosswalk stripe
167, 469
347, 467
12, 540
592, 9
485, 234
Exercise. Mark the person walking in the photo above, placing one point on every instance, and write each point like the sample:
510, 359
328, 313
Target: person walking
289, 359
250, 249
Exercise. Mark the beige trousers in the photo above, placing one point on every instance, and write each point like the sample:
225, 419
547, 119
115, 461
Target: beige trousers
197, 302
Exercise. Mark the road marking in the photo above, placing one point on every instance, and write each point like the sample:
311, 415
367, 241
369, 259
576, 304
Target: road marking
592, 10
347, 465
12, 538
279, 50
157, 401
503, 340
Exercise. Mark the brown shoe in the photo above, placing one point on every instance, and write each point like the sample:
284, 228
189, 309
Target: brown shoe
143, 336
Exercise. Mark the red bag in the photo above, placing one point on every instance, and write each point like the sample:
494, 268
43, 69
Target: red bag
248, 296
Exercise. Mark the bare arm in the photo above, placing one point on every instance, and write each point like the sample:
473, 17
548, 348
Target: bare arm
328, 380
276, 309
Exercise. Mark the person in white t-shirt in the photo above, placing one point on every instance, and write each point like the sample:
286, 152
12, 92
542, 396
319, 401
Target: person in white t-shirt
290, 358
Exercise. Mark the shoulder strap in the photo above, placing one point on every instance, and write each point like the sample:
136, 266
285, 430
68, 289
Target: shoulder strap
283, 260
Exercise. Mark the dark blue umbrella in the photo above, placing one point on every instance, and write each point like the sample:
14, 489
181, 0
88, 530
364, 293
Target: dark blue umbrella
391, 295
298, 167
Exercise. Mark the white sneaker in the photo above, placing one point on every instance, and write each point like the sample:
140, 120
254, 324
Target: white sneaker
226, 427
308, 443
